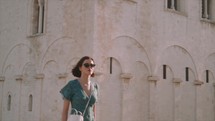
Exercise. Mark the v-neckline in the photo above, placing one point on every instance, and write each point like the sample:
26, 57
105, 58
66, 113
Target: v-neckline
84, 90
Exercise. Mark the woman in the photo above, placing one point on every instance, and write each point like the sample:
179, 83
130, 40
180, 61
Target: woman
77, 92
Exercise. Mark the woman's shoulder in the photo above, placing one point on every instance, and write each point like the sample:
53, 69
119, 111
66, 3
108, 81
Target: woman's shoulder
73, 82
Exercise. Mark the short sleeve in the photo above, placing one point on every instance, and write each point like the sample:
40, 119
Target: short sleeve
67, 91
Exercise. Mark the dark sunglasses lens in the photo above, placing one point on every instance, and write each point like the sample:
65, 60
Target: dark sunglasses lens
87, 65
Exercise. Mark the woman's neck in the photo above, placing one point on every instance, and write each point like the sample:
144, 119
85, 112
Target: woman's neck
85, 79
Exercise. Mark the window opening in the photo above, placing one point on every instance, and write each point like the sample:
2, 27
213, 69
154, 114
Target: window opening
9, 103
187, 73
207, 76
207, 9
38, 17
164, 71
172, 4
111, 59
30, 103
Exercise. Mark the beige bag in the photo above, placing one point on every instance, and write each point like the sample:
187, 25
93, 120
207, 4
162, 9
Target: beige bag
78, 116
73, 117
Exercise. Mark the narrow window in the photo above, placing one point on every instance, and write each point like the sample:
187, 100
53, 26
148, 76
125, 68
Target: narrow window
38, 17
169, 4
35, 18
164, 71
30, 103
9, 103
172, 4
187, 73
207, 76
111, 59
207, 9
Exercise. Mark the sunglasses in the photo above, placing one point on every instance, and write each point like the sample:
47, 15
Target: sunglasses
87, 65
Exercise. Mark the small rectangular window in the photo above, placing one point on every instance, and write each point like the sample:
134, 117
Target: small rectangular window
37, 17
111, 59
187, 74
208, 9
164, 71
207, 76
9, 103
177, 5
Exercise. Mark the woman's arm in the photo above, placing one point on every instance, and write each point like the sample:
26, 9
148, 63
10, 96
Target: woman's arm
65, 110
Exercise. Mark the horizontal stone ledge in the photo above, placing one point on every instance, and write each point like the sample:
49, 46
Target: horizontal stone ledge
62, 75
2, 78
19, 77
39, 76
177, 80
126, 75
198, 82
153, 78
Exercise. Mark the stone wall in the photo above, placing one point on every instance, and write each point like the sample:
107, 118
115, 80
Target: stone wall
153, 63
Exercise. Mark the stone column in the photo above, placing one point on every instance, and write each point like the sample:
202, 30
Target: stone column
126, 79
2, 79
198, 104
38, 113
152, 97
20, 79
176, 88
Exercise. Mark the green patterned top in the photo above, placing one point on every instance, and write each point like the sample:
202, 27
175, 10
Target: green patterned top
74, 92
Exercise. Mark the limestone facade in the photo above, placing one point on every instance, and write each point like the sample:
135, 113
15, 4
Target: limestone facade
155, 58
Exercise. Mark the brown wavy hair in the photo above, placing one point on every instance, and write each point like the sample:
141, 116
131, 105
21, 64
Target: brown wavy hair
76, 72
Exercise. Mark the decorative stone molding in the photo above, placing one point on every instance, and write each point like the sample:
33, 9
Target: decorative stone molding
198, 82
19, 77
133, 1
62, 75
2, 78
126, 76
153, 78
177, 80
39, 76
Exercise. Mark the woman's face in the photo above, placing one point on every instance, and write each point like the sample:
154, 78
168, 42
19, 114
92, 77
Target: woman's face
87, 67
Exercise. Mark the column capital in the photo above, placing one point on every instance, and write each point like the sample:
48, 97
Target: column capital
198, 82
2, 78
19, 77
62, 75
153, 78
39, 76
177, 80
126, 75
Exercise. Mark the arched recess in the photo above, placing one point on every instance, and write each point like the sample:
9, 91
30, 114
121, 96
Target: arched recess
188, 98
30, 87
11, 87
207, 107
51, 99
110, 92
178, 59
62, 51
18, 56
210, 63
128, 50
136, 94
165, 94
